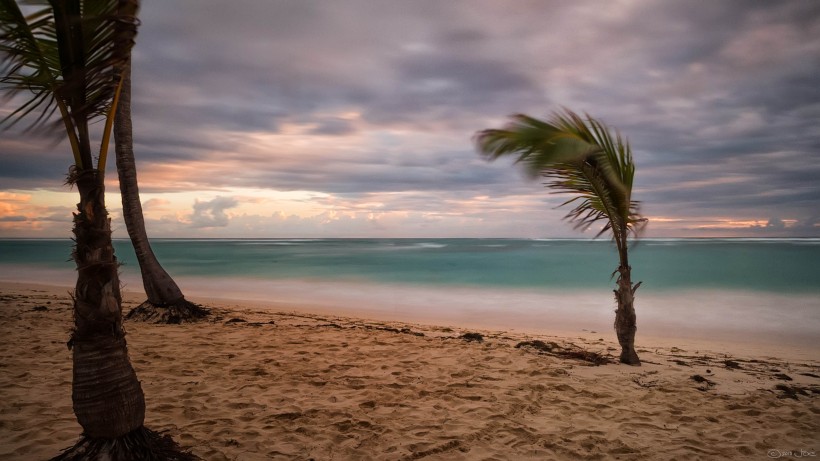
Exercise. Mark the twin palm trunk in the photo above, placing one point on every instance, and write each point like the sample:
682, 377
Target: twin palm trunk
159, 286
165, 303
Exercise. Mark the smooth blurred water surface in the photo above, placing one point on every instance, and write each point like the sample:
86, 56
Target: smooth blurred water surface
774, 265
727, 289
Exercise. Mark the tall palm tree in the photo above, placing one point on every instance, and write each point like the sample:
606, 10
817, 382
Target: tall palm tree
165, 303
70, 54
582, 157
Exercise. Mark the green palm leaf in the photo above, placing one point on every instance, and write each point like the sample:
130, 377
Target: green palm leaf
67, 55
577, 156
26, 45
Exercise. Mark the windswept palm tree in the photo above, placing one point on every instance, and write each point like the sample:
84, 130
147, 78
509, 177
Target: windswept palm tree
70, 54
165, 303
582, 157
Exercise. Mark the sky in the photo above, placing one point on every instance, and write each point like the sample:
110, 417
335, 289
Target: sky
354, 118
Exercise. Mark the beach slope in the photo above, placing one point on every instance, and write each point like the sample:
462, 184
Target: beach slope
255, 384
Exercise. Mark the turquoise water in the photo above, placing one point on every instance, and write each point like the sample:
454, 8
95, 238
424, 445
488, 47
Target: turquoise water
727, 289
777, 265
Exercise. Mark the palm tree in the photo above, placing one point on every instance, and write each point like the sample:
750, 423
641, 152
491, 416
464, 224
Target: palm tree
580, 156
165, 303
70, 56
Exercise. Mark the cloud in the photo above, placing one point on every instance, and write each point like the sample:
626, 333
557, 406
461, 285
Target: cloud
333, 126
211, 213
155, 203
362, 100
776, 223
22, 216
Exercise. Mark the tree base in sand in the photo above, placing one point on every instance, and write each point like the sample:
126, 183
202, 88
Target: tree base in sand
180, 312
139, 445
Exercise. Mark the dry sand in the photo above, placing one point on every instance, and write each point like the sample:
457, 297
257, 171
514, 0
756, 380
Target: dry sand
297, 385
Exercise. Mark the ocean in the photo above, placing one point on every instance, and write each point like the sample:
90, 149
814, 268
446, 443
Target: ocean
715, 288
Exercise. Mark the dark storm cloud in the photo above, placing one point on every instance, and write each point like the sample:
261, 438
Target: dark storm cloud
32, 163
22, 172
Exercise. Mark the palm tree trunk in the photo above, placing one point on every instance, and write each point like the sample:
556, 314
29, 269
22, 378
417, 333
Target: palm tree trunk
165, 303
159, 286
107, 396
625, 319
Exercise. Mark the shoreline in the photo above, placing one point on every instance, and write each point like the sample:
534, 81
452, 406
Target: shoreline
572, 314
288, 382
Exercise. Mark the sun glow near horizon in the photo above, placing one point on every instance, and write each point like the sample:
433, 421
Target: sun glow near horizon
255, 212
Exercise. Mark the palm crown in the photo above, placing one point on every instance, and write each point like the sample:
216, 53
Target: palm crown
576, 156
69, 55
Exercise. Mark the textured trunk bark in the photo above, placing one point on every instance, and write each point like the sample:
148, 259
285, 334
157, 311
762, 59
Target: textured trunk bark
107, 396
159, 286
625, 319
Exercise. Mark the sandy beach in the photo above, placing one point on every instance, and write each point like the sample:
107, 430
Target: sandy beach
263, 382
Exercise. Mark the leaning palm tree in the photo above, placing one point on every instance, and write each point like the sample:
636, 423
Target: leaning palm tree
70, 55
165, 303
582, 157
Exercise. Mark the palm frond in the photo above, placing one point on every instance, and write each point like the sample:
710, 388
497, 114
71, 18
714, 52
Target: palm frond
577, 156
536, 143
73, 52
26, 44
